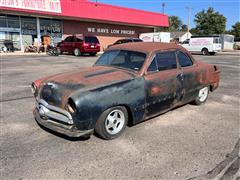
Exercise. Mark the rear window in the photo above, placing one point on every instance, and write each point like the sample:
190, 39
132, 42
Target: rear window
91, 39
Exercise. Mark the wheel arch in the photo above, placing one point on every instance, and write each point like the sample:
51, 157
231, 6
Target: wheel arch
204, 48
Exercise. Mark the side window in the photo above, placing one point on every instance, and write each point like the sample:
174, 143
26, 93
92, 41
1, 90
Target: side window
166, 61
153, 66
75, 39
118, 42
69, 39
184, 60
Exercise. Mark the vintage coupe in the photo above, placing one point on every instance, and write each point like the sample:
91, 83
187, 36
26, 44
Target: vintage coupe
129, 83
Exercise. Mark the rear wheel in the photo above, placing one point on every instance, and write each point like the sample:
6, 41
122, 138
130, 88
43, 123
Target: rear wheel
202, 96
112, 122
76, 52
205, 51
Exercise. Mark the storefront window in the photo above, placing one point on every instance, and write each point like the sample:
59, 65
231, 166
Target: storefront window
52, 28
3, 21
13, 21
10, 32
29, 30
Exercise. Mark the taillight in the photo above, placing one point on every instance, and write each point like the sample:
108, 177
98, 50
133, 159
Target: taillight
85, 44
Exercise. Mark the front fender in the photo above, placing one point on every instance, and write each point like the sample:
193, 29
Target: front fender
90, 104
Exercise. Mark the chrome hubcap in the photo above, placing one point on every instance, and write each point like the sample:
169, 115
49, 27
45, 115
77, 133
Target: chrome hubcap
114, 122
203, 93
76, 52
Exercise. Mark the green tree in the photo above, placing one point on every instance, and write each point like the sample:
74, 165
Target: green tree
236, 29
193, 31
175, 23
209, 22
184, 27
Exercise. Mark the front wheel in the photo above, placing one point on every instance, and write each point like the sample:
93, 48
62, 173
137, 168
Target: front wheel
112, 122
205, 52
202, 96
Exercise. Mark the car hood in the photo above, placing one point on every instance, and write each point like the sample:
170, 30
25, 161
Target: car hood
58, 88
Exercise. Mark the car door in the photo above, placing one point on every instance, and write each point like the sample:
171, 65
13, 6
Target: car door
163, 83
68, 44
190, 76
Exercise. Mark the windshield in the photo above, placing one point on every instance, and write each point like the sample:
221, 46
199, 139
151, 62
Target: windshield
216, 40
123, 59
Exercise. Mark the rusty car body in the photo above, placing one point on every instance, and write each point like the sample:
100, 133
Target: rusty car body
129, 83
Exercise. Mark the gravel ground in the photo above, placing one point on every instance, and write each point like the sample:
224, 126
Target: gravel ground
198, 142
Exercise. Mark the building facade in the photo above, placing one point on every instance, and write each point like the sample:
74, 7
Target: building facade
25, 22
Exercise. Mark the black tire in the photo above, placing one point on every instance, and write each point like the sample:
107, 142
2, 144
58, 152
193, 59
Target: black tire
205, 52
101, 124
202, 92
76, 52
59, 51
212, 53
93, 54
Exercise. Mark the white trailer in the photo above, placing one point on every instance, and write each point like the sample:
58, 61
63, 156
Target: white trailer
155, 37
227, 41
203, 44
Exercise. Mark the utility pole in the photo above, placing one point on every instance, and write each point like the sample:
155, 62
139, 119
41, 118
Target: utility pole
189, 18
163, 6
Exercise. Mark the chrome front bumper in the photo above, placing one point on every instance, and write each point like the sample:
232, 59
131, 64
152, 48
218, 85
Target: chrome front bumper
48, 111
57, 119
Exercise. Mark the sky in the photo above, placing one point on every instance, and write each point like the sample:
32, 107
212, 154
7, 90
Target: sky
229, 8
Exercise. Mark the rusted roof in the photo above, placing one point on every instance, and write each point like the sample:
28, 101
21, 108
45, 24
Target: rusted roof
147, 47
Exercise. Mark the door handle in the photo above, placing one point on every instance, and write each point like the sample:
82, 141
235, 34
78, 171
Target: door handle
181, 76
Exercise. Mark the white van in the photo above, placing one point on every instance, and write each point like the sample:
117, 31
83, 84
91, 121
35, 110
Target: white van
155, 37
207, 45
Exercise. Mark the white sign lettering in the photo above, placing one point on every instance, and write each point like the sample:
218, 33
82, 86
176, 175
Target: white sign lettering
39, 5
110, 31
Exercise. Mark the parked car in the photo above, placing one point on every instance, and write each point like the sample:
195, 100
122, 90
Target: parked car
237, 43
207, 45
79, 45
128, 84
126, 40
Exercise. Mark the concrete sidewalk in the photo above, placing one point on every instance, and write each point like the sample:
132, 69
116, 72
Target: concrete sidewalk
232, 53
21, 54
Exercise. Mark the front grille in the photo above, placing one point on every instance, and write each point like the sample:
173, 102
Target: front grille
47, 111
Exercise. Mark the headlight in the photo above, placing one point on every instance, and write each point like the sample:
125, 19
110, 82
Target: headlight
34, 89
71, 107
